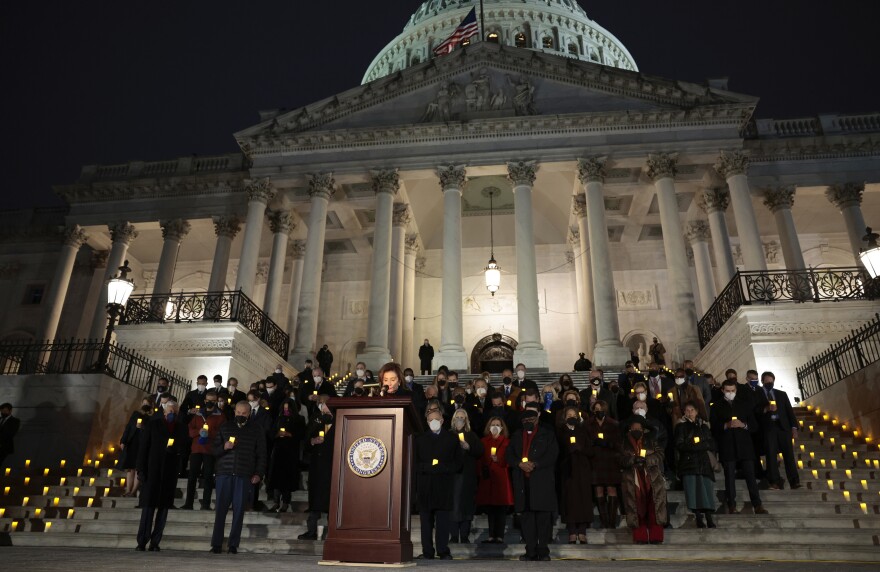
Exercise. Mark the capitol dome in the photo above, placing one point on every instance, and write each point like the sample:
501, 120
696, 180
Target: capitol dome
554, 26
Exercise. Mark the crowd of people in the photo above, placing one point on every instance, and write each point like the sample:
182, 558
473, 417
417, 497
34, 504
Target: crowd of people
493, 445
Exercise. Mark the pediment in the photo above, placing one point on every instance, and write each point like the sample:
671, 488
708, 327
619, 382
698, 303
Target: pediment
489, 81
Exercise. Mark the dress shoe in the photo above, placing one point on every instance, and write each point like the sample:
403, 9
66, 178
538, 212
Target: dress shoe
710, 522
731, 509
140, 548
424, 557
701, 522
186, 507
206, 506
545, 558
308, 536
445, 556
796, 486
216, 550
761, 510
774, 487
526, 558
233, 550
155, 548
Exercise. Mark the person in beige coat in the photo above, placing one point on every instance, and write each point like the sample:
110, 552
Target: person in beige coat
642, 483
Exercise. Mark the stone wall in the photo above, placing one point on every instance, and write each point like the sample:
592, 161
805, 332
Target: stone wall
855, 401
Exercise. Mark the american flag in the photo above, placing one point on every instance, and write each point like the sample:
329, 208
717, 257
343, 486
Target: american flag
467, 29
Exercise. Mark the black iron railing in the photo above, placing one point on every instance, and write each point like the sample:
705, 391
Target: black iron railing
856, 351
81, 356
776, 286
229, 306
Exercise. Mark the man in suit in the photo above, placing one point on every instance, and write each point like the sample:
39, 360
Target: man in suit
235, 395
629, 377
779, 428
162, 386
9, 426
426, 355
522, 380
162, 444
698, 380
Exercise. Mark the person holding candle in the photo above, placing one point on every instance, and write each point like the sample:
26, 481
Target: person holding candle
202, 428
532, 456
494, 492
321, 434
642, 484
779, 428
590, 394
575, 475
693, 445
683, 393
240, 449
570, 398
605, 433
284, 474
163, 443
438, 456
464, 482
130, 445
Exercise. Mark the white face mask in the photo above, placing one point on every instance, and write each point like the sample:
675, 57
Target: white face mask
254, 404
218, 384
468, 390
408, 379
481, 391
318, 379
641, 412
435, 425
360, 372
495, 430
642, 396
729, 395
277, 371
679, 381
270, 390
520, 375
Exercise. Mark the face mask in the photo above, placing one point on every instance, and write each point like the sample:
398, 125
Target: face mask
636, 434
689, 372
596, 381
729, 395
441, 383
572, 422
218, 384
641, 412
652, 372
495, 430
326, 419
408, 378
359, 391
202, 387
170, 417
261, 388
768, 386
360, 372
318, 379
753, 382
145, 409
240, 420
615, 388
254, 404
277, 371
468, 390
435, 425
642, 396
679, 381
210, 405
162, 388
232, 388
571, 402
459, 399
458, 423
600, 415
506, 381
520, 375
481, 391
270, 390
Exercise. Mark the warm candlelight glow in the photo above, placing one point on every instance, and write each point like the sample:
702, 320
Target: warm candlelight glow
833, 464
55, 501
205, 426
8, 470
843, 447
811, 428
232, 439
834, 422
669, 395
494, 450
696, 440
830, 484
79, 472
659, 395
821, 434
643, 453
63, 480
100, 455
70, 513
283, 430
27, 481
139, 423
321, 434
572, 440
90, 502
75, 491
2, 512
812, 455
800, 464
876, 464
91, 481
461, 437
106, 491
14, 525
45, 491
832, 440
27, 463
46, 472
97, 464
122, 482
601, 435
864, 507
848, 474
5, 490
435, 462
843, 427
171, 441
864, 484
25, 501
38, 512
846, 496
802, 449
773, 403
109, 472
733, 418
525, 459
815, 474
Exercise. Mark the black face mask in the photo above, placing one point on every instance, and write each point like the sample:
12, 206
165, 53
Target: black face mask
507, 381
600, 415
326, 419
636, 434
689, 372
459, 399
596, 380
241, 420
615, 388
210, 405
566, 383
146, 408
652, 372
359, 391
572, 421
571, 403
162, 388
768, 386
441, 383
528, 424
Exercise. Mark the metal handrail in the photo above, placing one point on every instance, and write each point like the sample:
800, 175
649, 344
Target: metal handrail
224, 306
851, 354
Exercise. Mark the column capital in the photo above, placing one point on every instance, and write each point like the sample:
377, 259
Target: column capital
175, 229
781, 197
732, 163
122, 232
298, 249
74, 235
522, 172
386, 181
579, 205
452, 177
322, 185
662, 165
259, 190
845, 195
714, 200
412, 244
574, 238
99, 259
281, 222
227, 226
592, 169
401, 215
697, 231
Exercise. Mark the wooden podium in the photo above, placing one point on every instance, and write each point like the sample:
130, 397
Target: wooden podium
370, 520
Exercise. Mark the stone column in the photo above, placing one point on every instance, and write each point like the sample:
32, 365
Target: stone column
451, 353
780, 200
848, 199
697, 233
73, 238
401, 218
529, 350
281, 223
661, 168
609, 352
259, 193
376, 354
121, 235
408, 355
173, 232
579, 205
732, 166
714, 202
296, 274
226, 227
574, 241
321, 189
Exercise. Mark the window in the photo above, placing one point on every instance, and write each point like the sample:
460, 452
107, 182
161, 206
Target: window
573, 49
493, 37
415, 60
33, 294
520, 40
547, 42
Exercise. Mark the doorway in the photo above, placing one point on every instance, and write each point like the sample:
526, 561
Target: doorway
493, 354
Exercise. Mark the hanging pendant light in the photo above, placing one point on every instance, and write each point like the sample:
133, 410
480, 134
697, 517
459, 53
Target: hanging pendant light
870, 256
492, 272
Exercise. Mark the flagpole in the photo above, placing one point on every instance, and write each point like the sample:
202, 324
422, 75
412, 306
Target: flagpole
482, 23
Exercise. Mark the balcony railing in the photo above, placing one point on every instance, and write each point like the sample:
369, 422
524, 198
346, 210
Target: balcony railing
81, 356
778, 286
229, 306
856, 351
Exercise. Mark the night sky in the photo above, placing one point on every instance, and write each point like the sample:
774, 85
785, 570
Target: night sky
109, 82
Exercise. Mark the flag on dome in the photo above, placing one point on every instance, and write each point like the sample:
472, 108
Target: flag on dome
467, 29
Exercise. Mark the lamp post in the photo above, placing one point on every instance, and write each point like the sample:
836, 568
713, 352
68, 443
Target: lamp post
870, 256
118, 291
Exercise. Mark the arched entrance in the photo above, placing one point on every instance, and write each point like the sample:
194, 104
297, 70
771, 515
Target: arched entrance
493, 354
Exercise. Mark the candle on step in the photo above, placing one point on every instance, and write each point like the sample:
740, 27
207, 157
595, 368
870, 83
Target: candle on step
8, 470
864, 507
815, 474
63, 463
46, 472
75, 491
45, 491
91, 481
79, 472
63, 480
848, 474
833, 464
864, 484
830, 484
6, 490
800, 464
48, 526
27, 463
38, 512
55, 501
106, 491
846, 496
25, 500
70, 513
90, 502
27, 481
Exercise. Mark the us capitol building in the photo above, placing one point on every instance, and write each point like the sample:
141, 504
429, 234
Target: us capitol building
618, 206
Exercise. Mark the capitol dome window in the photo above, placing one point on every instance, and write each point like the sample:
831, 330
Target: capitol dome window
520, 40
573, 49
493, 37
547, 42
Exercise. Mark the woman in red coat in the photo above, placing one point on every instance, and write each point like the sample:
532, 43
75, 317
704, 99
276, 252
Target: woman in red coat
494, 491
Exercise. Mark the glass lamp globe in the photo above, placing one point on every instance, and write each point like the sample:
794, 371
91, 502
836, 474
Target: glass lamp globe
493, 276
